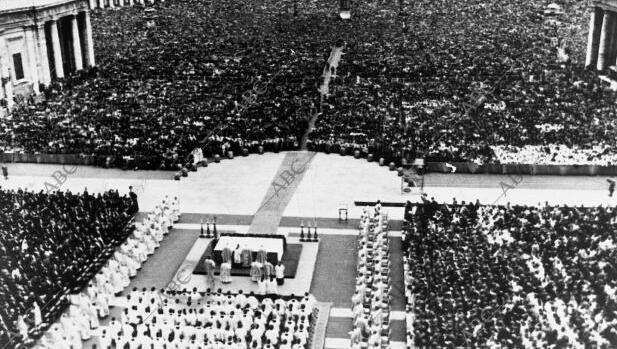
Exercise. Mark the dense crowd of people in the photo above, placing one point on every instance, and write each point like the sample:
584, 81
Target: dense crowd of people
371, 299
52, 244
159, 92
469, 81
480, 75
511, 276
81, 321
192, 319
173, 317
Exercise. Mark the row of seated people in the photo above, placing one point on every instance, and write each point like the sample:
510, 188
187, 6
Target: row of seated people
51, 244
371, 299
158, 94
93, 302
191, 319
511, 276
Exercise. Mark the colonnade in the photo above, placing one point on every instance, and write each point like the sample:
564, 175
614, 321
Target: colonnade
53, 47
80, 53
602, 39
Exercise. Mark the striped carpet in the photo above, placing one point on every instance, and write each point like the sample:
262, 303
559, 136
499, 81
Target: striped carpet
280, 192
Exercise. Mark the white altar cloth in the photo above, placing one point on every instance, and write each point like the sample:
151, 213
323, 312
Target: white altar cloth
254, 244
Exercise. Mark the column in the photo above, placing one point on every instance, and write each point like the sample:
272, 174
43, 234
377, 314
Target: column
93, 4
111, 4
593, 39
8, 91
33, 58
55, 40
89, 44
605, 40
44, 72
6, 82
79, 65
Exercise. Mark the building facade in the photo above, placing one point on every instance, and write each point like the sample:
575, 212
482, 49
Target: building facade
602, 38
41, 40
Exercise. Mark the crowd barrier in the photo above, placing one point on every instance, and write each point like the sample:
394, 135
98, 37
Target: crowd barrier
390, 155
69, 159
522, 169
439, 167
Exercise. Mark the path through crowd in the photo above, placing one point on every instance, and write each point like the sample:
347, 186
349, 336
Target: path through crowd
324, 90
283, 187
329, 71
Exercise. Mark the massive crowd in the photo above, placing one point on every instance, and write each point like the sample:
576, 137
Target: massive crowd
465, 81
469, 81
511, 276
51, 244
159, 92
174, 316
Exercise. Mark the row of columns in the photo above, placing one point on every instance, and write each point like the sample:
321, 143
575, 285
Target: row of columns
602, 39
77, 38
38, 48
117, 3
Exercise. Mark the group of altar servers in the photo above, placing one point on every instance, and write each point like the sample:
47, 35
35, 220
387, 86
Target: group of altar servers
189, 319
82, 317
370, 302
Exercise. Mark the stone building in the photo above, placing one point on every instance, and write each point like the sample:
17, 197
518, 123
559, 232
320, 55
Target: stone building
41, 40
602, 39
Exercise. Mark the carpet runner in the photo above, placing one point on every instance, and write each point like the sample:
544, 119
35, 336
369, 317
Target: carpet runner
281, 190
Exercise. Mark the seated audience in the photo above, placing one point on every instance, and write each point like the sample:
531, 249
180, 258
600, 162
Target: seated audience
51, 244
511, 276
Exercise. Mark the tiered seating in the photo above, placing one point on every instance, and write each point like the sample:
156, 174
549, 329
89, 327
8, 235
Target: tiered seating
371, 300
50, 245
512, 276
93, 302
190, 319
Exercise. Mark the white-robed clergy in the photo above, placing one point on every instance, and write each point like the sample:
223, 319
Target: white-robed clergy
255, 271
22, 327
36, 312
226, 272
77, 322
279, 271
261, 286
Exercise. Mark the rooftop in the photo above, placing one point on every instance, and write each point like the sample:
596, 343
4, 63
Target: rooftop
12, 5
606, 4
